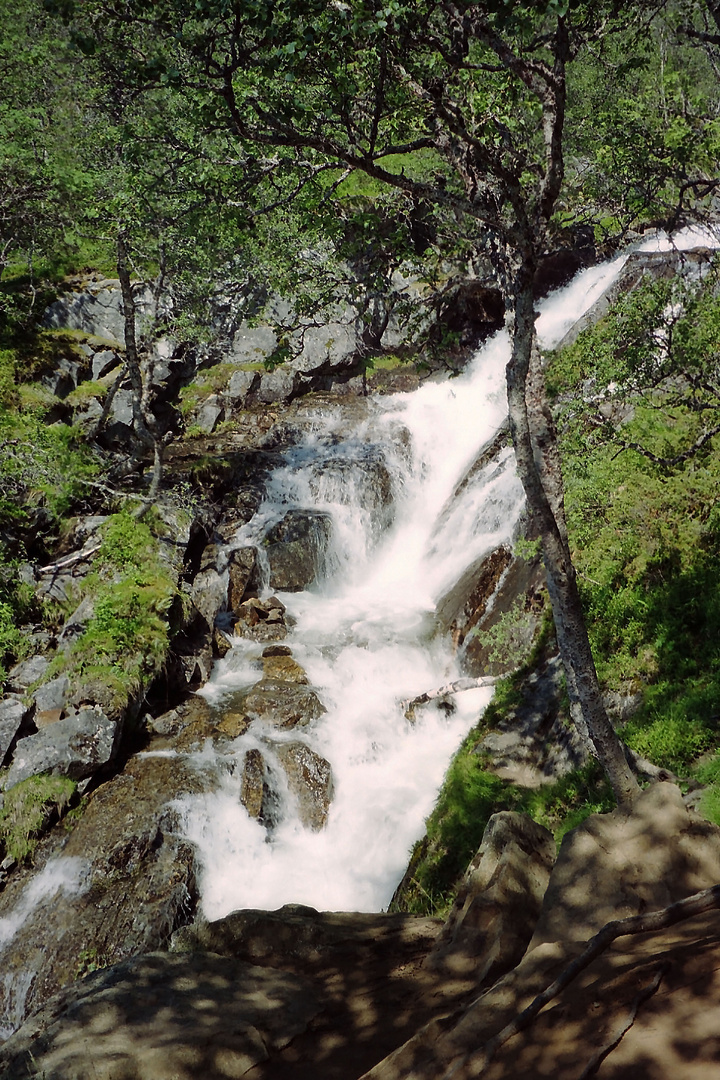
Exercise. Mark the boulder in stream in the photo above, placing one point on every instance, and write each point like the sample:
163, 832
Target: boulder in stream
253, 784
281, 705
310, 782
261, 620
296, 547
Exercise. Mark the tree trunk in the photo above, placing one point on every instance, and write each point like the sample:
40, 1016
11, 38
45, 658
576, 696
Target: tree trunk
539, 470
143, 421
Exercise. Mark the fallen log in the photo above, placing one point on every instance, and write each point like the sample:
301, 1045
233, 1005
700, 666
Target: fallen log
409, 704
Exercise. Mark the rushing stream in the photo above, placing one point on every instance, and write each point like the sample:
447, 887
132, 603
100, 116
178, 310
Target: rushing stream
415, 502
366, 634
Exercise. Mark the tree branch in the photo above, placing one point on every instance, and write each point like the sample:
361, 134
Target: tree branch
697, 904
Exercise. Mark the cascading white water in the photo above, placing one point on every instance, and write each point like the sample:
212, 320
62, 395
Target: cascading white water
60, 877
366, 635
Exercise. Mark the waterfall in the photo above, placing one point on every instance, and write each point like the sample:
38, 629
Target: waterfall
366, 633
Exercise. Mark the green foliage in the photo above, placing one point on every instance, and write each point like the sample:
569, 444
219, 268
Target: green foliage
125, 641
27, 809
40, 466
645, 535
10, 639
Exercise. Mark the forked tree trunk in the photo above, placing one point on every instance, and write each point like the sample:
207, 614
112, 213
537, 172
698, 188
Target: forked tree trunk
538, 466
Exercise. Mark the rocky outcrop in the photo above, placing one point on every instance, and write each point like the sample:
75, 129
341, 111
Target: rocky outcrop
498, 902
76, 747
610, 866
535, 742
135, 885
158, 1016
281, 705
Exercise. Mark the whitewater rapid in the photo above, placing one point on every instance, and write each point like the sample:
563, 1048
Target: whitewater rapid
367, 635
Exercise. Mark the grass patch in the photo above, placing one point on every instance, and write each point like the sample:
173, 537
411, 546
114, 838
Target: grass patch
125, 642
29, 808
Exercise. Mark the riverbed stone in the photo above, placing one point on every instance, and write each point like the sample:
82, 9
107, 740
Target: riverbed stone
281, 704
296, 547
310, 781
284, 668
253, 783
261, 620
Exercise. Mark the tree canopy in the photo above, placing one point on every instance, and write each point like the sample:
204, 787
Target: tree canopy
438, 134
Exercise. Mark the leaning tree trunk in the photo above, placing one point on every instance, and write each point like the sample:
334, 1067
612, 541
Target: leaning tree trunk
143, 421
539, 470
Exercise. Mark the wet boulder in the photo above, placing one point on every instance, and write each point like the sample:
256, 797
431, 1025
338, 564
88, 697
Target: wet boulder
252, 789
281, 705
281, 665
261, 620
75, 747
310, 781
244, 576
296, 547
361, 480
121, 883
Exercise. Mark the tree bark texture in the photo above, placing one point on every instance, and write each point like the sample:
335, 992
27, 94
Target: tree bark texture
143, 420
539, 469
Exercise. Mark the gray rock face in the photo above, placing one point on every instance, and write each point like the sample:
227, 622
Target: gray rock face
160, 1016
64, 379
310, 782
50, 700
296, 548
534, 744
12, 717
75, 747
210, 415
281, 704
210, 585
252, 344
26, 673
499, 901
241, 384
275, 386
244, 576
97, 311
103, 362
